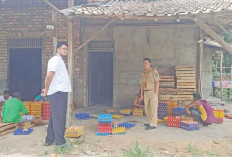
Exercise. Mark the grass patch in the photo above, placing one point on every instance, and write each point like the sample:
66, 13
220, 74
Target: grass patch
194, 151
137, 151
63, 149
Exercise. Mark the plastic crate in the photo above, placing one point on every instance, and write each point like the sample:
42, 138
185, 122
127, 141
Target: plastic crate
162, 109
104, 118
102, 134
104, 127
173, 121
218, 113
218, 120
82, 116
137, 112
119, 130
190, 125
117, 116
74, 131
125, 111
22, 131
178, 111
126, 125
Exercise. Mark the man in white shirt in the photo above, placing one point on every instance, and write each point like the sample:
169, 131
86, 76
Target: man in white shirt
57, 86
4, 97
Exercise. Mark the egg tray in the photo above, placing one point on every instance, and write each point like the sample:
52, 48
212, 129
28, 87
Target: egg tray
102, 134
20, 131
82, 116
126, 125
190, 127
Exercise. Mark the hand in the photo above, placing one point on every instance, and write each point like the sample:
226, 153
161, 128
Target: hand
186, 110
141, 97
44, 92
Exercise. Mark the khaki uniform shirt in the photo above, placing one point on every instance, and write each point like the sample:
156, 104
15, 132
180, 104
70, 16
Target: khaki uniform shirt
148, 79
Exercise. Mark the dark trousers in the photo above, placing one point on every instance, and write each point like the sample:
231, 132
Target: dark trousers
57, 121
197, 115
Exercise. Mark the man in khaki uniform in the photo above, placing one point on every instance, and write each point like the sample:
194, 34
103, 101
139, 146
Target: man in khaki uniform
149, 85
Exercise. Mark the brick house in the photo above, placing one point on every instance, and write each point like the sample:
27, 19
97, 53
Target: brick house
169, 33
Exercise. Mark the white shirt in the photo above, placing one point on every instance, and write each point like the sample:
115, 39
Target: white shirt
60, 81
3, 99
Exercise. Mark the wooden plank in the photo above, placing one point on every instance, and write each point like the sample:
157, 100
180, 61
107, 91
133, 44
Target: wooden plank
5, 124
167, 97
7, 127
185, 75
213, 34
185, 72
166, 77
185, 78
7, 131
183, 66
185, 81
194, 87
186, 84
185, 69
166, 80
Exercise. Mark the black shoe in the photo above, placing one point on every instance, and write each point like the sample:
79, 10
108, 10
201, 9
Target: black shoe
146, 124
48, 143
150, 127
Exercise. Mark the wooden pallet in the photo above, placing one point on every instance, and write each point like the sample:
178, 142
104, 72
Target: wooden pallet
167, 82
6, 128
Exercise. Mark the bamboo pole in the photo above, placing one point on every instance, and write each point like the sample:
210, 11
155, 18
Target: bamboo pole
221, 87
70, 68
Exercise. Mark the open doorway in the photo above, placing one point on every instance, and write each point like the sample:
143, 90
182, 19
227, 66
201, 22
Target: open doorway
100, 70
25, 72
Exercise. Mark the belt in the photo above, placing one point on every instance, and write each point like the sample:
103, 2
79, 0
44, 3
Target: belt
148, 90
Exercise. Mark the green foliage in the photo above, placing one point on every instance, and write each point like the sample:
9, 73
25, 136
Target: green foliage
137, 151
198, 152
63, 149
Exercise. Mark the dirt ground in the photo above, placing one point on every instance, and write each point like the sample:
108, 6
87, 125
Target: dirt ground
214, 140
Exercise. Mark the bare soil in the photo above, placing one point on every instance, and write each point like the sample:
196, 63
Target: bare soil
214, 140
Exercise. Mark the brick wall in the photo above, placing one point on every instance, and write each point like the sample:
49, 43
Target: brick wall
28, 18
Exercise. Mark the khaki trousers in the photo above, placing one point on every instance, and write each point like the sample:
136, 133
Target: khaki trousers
151, 107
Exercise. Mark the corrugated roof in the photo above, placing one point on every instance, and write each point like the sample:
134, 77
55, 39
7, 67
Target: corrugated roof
149, 8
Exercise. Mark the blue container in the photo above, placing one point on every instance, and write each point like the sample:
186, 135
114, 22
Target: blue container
20, 131
82, 116
105, 118
126, 125
178, 111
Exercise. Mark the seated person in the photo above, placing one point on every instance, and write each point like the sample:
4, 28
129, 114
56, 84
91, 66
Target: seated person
11, 112
201, 110
4, 97
138, 102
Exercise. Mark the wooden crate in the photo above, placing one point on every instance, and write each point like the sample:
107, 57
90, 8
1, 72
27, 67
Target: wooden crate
6, 128
167, 82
